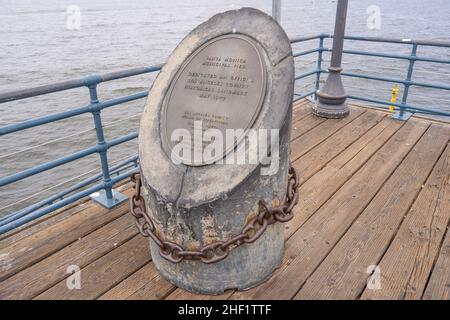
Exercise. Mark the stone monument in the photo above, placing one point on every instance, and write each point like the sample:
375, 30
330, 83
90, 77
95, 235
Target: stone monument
213, 219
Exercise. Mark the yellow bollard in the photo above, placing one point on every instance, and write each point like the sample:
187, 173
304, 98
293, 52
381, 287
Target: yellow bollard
394, 97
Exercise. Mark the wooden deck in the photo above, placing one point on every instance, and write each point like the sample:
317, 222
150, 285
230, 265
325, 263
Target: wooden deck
374, 192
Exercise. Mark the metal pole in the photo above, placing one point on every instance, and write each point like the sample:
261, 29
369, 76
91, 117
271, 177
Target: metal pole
107, 197
276, 10
331, 103
319, 66
402, 114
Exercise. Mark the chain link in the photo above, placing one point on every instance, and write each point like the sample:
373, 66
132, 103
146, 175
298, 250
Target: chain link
218, 250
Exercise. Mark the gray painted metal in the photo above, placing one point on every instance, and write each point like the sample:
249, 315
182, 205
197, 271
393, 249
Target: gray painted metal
276, 10
331, 99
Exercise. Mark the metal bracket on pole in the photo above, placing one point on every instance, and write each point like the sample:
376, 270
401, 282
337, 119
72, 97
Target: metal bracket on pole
403, 116
101, 198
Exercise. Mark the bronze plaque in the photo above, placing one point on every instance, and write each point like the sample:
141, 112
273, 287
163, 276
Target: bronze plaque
223, 85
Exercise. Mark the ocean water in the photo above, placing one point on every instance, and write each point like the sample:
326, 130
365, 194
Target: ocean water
37, 48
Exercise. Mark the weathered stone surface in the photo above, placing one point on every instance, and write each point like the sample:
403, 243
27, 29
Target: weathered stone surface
197, 205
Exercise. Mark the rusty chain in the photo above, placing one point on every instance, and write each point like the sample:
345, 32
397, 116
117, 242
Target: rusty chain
218, 250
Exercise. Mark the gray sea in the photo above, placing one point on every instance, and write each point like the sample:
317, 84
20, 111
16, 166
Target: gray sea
37, 47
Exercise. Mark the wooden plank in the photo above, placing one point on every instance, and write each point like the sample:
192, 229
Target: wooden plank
307, 247
418, 240
304, 125
130, 285
300, 110
32, 249
320, 187
308, 164
106, 272
310, 139
28, 229
343, 273
48, 272
45, 221
439, 285
156, 289
146, 283
347, 134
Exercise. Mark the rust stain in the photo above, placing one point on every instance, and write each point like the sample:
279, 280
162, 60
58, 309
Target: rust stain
276, 202
208, 227
249, 217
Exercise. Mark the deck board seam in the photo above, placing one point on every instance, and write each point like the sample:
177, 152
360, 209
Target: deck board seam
119, 281
325, 138
126, 279
86, 201
51, 285
306, 131
407, 212
367, 129
52, 252
345, 181
328, 120
431, 223
94, 261
369, 142
362, 209
436, 258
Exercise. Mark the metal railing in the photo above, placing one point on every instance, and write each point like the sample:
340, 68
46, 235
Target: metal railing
100, 186
407, 82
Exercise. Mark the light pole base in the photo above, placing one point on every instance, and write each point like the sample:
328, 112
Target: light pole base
330, 111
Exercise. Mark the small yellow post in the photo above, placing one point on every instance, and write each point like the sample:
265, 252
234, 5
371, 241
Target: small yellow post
394, 97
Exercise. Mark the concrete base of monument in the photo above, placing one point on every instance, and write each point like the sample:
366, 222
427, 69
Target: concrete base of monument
245, 267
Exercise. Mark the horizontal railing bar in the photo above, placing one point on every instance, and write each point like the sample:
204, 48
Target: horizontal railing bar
118, 164
70, 113
41, 90
105, 125
433, 43
300, 97
307, 74
304, 53
392, 56
406, 107
85, 81
130, 72
386, 79
42, 120
308, 38
15, 215
63, 160
73, 84
39, 213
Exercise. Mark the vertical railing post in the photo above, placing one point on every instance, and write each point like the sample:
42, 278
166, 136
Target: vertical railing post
107, 197
402, 114
319, 65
